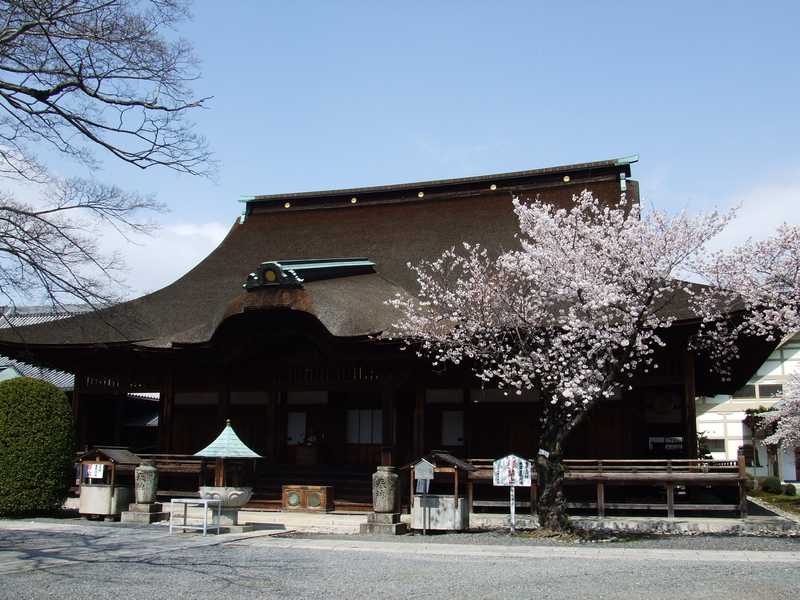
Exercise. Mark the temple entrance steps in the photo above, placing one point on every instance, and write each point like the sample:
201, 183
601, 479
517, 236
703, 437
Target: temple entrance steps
352, 485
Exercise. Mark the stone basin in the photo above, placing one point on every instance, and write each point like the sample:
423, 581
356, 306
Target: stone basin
232, 497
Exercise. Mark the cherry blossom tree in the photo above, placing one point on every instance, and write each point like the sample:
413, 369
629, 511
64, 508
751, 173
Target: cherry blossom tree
581, 307
786, 416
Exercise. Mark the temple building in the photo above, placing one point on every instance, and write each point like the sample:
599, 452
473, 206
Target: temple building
278, 331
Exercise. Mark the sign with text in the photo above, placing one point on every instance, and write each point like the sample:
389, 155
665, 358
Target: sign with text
423, 470
95, 470
512, 470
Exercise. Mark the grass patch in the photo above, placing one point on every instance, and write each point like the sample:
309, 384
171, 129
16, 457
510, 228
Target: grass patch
787, 503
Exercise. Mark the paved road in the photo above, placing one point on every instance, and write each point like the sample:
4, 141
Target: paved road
56, 561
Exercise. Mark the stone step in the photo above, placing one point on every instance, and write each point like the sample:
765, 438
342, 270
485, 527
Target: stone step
143, 517
146, 508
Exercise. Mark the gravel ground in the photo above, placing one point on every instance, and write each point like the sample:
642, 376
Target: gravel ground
676, 542
103, 566
263, 571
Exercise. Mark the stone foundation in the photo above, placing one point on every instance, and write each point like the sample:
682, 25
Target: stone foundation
144, 513
383, 524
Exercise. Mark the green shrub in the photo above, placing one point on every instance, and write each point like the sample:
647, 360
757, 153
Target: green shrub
36, 446
771, 485
789, 490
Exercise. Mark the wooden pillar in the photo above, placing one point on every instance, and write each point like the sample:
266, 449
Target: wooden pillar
279, 398
418, 445
119, 404
166, 409
690, 411
78, 410
601, 499
388, 451
219, 472
224, 398
470, 494
467, 407
119, 407
670, 500
742, 498
271, 427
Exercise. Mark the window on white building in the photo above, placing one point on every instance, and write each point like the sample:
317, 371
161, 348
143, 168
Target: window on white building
715, 445
748, 391
770, 390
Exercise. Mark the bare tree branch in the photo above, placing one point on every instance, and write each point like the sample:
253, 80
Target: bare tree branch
79, 76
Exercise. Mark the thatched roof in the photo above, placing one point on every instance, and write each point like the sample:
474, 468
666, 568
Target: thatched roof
389, 225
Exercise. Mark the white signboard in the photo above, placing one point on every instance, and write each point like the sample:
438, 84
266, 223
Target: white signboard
512, 470
423, 473
423, 470
95, 470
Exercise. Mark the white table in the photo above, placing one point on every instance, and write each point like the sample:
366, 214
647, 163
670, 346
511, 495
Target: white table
205, 503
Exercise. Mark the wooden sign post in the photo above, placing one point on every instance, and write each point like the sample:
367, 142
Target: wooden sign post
512, 471
423, 473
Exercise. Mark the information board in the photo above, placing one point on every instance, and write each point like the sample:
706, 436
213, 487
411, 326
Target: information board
512, 470
95, 470
423, 470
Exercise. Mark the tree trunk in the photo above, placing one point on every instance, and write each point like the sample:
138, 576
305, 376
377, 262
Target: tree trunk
552, 508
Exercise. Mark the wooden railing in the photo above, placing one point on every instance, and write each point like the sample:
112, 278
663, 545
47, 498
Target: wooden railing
671, 465
668, 473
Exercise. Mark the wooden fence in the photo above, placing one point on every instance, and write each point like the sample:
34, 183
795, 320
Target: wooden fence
668, 473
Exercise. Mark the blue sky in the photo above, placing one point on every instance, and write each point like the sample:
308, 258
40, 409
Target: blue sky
315, 95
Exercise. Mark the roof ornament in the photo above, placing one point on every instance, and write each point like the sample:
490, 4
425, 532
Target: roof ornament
294, 273
227, 445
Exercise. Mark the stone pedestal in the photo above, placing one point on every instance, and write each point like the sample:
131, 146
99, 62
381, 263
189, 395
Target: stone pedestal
386, 502
383, 524
144, 513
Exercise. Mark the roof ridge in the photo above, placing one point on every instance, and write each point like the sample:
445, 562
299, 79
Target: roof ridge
612, 162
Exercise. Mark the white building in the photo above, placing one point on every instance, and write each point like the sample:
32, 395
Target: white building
721, 418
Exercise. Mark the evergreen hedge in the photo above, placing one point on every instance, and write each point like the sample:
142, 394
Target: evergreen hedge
36, 446
771, 485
